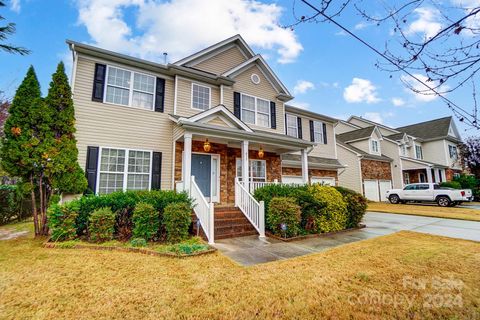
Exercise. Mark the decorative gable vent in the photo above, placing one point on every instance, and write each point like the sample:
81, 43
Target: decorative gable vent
255, 78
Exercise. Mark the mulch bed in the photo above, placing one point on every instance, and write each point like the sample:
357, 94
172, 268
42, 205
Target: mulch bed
146, 251
316, 235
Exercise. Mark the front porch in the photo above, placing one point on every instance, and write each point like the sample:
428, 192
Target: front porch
417, 171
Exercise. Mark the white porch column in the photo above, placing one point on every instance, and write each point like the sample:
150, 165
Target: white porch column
304, 166
245, 166
429, 175
187, 160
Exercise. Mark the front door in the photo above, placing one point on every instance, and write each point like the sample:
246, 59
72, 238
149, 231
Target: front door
202, 171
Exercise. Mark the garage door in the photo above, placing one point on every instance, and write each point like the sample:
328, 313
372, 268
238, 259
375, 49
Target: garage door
292, 179
385, 185
323, 180
371, 189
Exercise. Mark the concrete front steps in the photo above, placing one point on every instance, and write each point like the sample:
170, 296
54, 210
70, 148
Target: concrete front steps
230, 222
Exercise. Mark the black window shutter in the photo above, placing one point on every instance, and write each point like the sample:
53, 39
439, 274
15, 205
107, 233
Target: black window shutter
324, 133
91, 168
312, 132
160, 95
273, 115
236, 105
156, 171
99, 82
286, 125
299, 125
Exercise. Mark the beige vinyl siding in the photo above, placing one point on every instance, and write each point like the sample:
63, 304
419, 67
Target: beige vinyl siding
349, 177
106, 125
263, 90
320, 150
391, 150
342, 128
177, 132
363, 145
218, 122
436, 152
184, 97
365, 124
222, 62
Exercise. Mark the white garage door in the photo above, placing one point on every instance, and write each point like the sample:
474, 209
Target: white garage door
371, 189
292, 179
323, 180
385, 185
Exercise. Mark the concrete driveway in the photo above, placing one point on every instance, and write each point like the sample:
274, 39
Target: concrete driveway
251, 250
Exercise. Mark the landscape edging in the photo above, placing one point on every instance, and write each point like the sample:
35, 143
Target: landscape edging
315, 235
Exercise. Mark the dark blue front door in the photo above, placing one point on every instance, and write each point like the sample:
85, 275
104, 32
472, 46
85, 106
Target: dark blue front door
202, 170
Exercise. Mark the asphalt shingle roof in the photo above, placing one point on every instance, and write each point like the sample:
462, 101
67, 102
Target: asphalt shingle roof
428, 130
319, 161
364, 154
356, 134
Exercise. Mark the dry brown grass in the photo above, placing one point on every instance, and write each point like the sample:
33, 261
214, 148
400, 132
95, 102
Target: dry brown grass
39, 283
426, 210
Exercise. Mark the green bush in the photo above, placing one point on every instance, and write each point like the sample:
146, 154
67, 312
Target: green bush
333, 215
101, 225
356, 206
138, 242
284, 217
451, 184
61, 221
177, 218
466, 181
123, 204
14, 203
145, 221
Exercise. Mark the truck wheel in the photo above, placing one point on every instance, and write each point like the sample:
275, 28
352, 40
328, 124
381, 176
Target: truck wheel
443, 201
394, 199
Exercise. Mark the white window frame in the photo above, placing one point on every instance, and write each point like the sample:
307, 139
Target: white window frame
287, 126
403, 150
209, 96
238, 164
130, 90
416, 152
125, 169
322, 138
256, 110
453, 147
377, 143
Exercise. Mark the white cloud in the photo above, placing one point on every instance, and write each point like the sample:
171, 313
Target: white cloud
15, 6
373, 116
361, 25
427, 22
361, 90
181, 27
427, 95
471, 23
398, 102
301, 105
303, 86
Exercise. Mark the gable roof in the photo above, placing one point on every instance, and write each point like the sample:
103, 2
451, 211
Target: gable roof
307, 113
363, 154
237, 39
371, 123
429, 130
358, 134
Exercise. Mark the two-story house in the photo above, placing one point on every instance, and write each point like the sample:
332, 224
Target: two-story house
215, 124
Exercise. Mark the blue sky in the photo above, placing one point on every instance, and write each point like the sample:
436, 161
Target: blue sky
328, 72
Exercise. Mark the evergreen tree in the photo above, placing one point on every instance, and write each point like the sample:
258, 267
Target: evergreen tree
63, 170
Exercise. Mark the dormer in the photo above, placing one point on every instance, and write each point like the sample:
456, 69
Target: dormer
375, 142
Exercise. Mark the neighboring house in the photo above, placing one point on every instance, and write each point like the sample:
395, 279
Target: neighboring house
423, 152
217, 115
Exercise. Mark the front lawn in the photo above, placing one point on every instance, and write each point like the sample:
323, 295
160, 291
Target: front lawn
404, 275
426, 210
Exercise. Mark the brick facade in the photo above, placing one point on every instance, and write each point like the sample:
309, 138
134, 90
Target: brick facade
377, 170
413, 175
450, 172
311, 173
228, 158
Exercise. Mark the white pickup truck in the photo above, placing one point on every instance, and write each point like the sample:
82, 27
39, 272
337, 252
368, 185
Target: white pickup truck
429, 192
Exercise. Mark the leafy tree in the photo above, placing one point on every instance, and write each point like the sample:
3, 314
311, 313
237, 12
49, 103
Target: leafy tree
470, 152
7, 30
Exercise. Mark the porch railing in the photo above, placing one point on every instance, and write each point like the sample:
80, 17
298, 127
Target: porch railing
254, 185
251, 208
203, 209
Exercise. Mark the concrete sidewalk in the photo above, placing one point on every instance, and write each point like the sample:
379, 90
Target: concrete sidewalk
251, 250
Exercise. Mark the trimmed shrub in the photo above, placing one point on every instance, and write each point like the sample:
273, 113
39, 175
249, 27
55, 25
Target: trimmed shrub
123, 204
138, 242
177, 218
466, 181
333, 215
284, 217
102, 225
145, 221
451, 184
356, 206
61, 221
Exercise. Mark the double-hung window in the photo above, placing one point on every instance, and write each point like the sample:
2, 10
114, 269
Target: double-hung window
292, 126
200, 97
122, 169
128, 88
257, 170
255, 111
418, 152
375, 147
452, 150
318, 132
